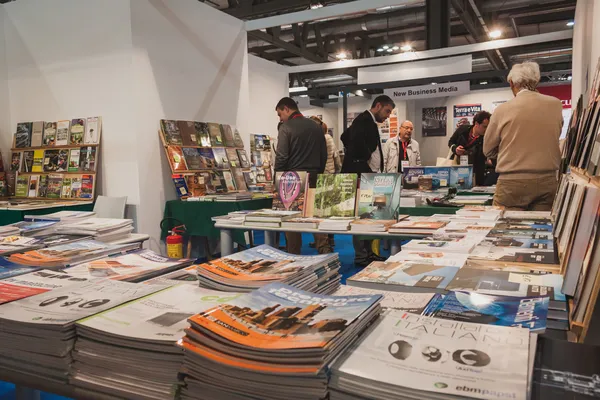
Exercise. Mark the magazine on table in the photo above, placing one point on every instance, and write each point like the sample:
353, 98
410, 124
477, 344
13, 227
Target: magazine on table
407, 352
409, 302
31, 284
187, 275
438, 258
9, 268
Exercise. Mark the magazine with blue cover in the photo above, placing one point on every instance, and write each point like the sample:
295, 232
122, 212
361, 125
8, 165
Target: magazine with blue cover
524, 312
27, 226
461, 177
379, 196
9, 269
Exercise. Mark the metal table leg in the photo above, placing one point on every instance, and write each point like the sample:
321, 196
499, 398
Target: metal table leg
226, 242
395, 246
270, 238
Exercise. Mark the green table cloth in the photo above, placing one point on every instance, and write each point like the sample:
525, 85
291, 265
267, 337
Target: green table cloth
12, 216
196, 215
426, 211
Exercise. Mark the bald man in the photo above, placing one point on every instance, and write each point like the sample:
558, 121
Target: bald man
401, 150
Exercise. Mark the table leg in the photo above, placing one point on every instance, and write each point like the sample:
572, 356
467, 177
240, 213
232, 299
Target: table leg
25, 393
395, 246
270, 238
226, 242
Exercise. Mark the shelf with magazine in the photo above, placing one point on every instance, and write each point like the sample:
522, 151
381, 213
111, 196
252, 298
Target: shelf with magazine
55, 160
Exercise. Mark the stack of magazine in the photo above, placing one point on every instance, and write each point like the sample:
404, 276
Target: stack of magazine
8, 268
9, 230
130, 351
186, 275
269, 218
418, 226
29, 228
68, 254
136, 266
62, 216
274, 343
414, 303
410, 356
251, 269
102, 229
37, 333
18, 244
34, 283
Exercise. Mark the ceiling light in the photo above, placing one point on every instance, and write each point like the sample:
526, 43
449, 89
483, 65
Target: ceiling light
483, 82
316, 5
495, 34
298, 89
379, 50
570, 23
569, 78
395, 48
341, 55
406, 47
389, 50
385, 47
434, 83
303, 95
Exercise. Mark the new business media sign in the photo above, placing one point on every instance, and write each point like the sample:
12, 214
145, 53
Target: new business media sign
429, 91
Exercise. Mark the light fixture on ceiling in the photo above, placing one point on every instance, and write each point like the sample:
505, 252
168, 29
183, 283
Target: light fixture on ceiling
495, 34
315, 5
389, 50
434, 83
571, 23
569, 78
483, 82
360, 93
303, 95
381, 49
395, 48
297, 89
341, 55
406, 47
385, 47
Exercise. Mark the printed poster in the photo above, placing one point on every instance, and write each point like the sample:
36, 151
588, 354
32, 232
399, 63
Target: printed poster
464, 113
434, 121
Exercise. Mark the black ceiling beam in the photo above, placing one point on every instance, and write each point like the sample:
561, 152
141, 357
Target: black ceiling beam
437, 24
300, 52
275, 7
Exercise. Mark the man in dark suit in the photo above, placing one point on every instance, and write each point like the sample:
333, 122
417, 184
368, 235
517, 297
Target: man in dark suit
363, 153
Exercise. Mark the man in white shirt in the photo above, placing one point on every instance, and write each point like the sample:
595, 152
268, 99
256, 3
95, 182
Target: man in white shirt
401, 150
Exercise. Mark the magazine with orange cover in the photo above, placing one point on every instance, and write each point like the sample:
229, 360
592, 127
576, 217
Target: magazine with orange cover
176, 158
57, 255
279, 317
261, 263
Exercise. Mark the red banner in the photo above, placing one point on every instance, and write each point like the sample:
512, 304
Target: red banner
561, 92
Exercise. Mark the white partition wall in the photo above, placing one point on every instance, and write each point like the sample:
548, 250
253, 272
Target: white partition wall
132, 62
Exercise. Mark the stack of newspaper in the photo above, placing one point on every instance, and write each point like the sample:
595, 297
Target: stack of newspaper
102, 229
9, 230
407, 356
269, 218
18, 244
336, 224
62, 216
33, 283
37, 333
69, 254
130, 351
136, 266
274, 343
251, 269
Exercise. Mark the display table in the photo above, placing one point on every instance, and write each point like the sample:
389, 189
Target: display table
426, 211
11, 215
196, 215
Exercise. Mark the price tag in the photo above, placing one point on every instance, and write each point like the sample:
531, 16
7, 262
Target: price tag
201, 180
366, 196
464, 160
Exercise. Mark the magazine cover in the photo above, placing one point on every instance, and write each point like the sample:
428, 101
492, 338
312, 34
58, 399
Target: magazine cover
186, 275
379, 196
221, 160
407, 351
77, 131
127, 267
514, 255
215, 134
193, 158
161, 316
176, 158
565, 370
523, 312
68, 304
503, 233
49, 133
279, 316
524, 226
440, 176
290, 191
63, 252
227, 133
19, 287
261, 263
410, 302
420, 274
507, 283
461, 177
171, 132
8, 268
522, 243
237, 139
335, 195
436, 257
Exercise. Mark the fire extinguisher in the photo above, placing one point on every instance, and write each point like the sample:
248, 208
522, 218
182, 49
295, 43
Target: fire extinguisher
175, 240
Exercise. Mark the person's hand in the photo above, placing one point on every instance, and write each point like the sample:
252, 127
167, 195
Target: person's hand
460, 151
489, 162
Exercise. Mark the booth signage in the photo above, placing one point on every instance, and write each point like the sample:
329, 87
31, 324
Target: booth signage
429, 91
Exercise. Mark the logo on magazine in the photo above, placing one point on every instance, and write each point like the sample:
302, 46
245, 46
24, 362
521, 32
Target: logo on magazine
472, 358
440, 385
433, 354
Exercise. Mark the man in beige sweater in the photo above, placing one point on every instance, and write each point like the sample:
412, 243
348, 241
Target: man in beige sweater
523, 135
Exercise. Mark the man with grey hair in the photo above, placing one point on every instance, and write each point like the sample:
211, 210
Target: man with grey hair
401, 150
523, 135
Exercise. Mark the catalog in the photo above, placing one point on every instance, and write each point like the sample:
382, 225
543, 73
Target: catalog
159, 316
19, 287
526, 312
290, 191
418, 274
237, 321
451, 358
379, 196
127, 267
409, 302
335, 195
68, 304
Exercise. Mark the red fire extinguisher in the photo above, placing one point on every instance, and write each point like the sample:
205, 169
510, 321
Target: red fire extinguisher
175, 242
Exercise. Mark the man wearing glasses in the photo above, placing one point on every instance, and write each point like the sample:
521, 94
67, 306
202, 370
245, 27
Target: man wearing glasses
401, 151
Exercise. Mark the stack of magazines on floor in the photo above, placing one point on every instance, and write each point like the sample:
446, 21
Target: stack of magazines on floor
251, 269
274, 343
101, 229
484, 265
130, 351
37, 333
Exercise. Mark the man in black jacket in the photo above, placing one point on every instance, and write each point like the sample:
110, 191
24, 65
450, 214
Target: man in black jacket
363, 153
468, 141
301, 146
